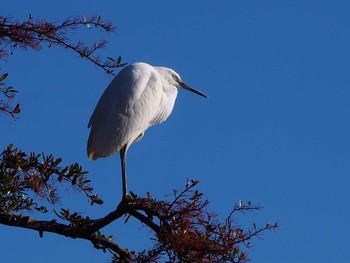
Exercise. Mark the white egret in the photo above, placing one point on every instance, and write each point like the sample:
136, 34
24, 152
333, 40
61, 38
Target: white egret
138, 97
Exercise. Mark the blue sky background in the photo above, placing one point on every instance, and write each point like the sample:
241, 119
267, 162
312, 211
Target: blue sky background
275, 129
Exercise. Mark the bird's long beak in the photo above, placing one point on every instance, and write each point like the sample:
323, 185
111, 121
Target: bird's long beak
185, 86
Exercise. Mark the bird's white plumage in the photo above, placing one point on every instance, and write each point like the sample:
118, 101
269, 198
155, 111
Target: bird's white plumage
138, 97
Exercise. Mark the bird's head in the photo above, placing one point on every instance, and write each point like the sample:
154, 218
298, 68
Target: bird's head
180, 84
174, 79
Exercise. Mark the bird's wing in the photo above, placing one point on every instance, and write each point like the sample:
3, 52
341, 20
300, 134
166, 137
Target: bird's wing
125, 110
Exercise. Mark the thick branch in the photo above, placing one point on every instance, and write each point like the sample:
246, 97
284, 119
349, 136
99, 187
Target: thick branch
123, 208
61, 229
99, 224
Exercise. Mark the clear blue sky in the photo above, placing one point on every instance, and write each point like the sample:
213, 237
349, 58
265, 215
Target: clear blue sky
275, 129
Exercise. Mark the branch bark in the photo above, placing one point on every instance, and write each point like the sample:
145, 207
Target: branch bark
123, 208
62, 229
86, 232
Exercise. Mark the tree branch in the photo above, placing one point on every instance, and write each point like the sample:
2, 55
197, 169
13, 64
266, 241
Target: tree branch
99, 241
146, 220
123, 208
99, 224
34, 33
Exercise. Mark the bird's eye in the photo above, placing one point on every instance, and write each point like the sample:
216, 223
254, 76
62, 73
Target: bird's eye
175, 78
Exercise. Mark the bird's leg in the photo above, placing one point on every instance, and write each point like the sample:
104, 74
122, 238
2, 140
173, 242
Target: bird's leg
123, 161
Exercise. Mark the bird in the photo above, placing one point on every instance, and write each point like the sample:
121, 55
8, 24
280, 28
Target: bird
138, 97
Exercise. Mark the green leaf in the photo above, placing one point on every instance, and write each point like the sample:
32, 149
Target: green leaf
4, 76
112, 59
133, 195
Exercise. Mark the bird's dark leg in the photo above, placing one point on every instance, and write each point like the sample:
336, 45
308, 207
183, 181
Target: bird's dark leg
123, 161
